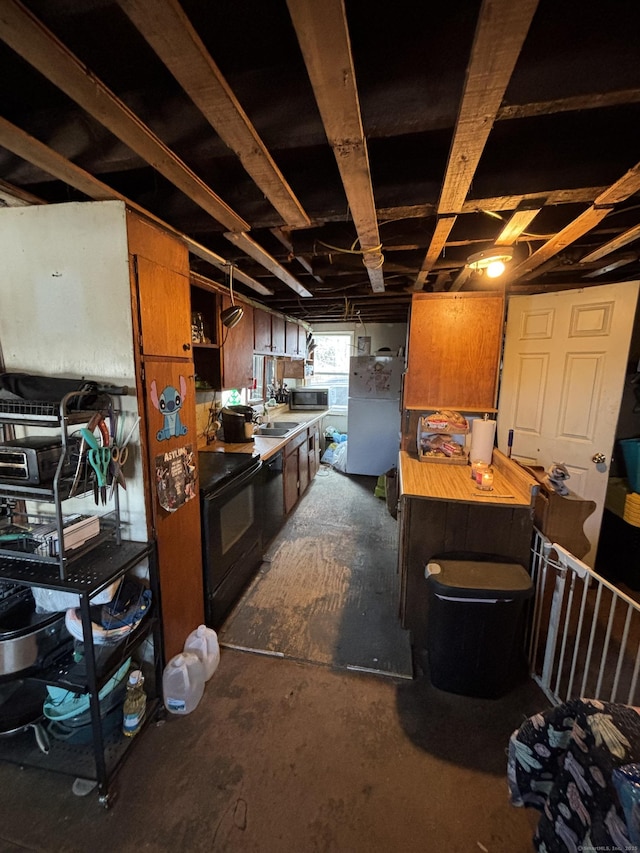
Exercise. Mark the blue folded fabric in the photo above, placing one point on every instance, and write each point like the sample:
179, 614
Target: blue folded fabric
128, 606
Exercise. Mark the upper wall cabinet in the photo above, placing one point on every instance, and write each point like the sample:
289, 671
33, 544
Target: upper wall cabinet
237, 350
454, 351
268, 333
277, 335
295, 339
262, 331
160, 269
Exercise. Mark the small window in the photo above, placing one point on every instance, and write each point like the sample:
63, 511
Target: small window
331, 365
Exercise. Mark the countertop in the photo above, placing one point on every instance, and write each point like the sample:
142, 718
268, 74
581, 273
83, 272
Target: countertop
439, 481
265, 446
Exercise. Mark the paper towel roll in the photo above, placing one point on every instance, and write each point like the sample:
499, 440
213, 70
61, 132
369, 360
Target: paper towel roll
482, 436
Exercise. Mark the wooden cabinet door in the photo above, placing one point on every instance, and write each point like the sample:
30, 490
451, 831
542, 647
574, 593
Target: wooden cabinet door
290, 479
295, 339
164, 308
172, 458
277, 335
237, 350
159, 272
454, 350
291, 338
262, 331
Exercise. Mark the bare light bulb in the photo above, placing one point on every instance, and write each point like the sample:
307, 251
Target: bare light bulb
495, 269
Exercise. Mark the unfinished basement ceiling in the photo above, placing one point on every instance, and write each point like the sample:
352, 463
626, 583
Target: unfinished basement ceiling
341, 155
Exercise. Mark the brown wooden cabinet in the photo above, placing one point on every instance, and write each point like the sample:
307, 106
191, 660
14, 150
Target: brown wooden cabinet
295, 339
237, 350
159, 274
439, 514
295, 469
262, 331
277, 335
454, 350
164, 307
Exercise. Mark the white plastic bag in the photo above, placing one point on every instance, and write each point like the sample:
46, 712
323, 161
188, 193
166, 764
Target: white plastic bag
53, 600
340, 457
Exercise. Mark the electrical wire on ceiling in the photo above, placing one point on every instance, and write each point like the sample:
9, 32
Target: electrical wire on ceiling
499, 216
364, 253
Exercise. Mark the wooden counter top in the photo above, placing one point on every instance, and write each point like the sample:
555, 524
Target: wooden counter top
266, 447
512, 485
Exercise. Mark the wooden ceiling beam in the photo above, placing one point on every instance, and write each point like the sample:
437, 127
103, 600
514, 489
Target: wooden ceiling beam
613, 245
619, 191
593, 101
517, 224
500, 33
437, 244
323, 36
284, 237
249, 246
583, 223
613, 265
11, 196
31, 40
172, 36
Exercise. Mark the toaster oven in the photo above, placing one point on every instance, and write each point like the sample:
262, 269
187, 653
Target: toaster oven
31, 461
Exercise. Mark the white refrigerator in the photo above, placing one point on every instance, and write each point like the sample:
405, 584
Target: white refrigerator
373, 426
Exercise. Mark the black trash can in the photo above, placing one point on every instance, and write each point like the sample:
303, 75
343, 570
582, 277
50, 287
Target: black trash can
475, 626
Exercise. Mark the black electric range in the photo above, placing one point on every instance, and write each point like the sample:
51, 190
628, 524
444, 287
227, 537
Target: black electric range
231, 528
218, 469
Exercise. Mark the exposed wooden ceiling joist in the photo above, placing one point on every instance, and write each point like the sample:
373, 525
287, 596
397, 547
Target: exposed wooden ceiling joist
249, 246
517, 224
614, 265
25, 34
11, 196
171, 35
323, 36
500, 33
620, 190
613, 245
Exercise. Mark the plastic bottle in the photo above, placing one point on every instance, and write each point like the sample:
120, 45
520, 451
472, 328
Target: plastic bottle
183, 683
135, 704
204, 643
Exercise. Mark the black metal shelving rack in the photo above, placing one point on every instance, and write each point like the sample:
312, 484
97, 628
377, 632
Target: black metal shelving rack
85, 572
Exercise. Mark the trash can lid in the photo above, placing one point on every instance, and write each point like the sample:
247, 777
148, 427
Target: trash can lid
476, 579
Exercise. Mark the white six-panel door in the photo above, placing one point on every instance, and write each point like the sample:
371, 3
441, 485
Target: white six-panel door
565, 359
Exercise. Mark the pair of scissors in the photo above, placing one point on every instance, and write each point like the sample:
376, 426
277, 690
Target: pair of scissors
119, 456
100, 459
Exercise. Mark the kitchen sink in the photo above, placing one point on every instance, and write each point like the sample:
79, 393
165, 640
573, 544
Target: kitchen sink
278, 429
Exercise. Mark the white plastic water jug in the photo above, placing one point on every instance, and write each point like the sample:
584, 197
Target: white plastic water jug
204, 643
183, 683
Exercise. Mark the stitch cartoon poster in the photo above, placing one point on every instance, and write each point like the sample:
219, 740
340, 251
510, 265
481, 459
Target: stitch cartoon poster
169, 402
176, 477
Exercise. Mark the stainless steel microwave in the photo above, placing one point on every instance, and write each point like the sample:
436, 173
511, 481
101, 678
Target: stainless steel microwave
308, 398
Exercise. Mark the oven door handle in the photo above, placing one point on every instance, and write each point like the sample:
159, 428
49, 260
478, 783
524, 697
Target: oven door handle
236, 483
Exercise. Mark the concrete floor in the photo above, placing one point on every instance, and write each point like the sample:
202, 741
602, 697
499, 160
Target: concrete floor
285, 756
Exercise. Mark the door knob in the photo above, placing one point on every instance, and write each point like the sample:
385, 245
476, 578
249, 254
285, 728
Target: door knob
598, 458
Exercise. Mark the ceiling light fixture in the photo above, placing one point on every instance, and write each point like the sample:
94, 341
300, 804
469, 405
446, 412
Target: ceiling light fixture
232, 315
491, 263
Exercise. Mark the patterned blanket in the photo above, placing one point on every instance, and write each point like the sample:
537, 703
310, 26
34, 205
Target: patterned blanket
561, 762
